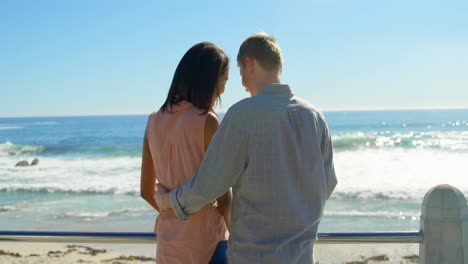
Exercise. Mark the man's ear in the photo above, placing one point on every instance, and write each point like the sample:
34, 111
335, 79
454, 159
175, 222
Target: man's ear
249, 64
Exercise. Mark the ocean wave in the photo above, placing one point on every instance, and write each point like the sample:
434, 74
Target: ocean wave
58, 190
90, 215
377, 196
447, 141
367, 175
7, 208
10, 149
114, 150
115, 190
388, 214
45, 123
110, 175
10, 127
396, 174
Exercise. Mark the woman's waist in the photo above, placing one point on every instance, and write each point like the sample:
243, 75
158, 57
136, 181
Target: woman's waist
205, 224
206, 216
207, 212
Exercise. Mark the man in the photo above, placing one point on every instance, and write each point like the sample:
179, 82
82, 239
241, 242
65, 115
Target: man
275, 151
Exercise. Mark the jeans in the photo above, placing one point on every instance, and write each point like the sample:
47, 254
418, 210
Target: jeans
220, 254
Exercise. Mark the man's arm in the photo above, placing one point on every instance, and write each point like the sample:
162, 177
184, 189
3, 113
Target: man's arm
224, 161
223, 202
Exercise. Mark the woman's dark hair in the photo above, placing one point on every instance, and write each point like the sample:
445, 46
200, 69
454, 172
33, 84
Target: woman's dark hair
196, 77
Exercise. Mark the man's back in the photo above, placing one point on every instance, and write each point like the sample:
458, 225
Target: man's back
279, 197
275, 151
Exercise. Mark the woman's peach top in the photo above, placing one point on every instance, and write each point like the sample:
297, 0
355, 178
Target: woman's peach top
176, 143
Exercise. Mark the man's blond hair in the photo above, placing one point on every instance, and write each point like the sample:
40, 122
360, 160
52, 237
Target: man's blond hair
263, 48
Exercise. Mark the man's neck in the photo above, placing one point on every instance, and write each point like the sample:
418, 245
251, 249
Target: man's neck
267, 80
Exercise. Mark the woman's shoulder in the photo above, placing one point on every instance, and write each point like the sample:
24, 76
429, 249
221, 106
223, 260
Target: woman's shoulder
199, 119
150, 121
154, 115
213, 116
188, 115
211, 121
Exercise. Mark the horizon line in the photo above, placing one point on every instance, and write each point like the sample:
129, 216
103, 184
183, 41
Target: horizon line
383, 109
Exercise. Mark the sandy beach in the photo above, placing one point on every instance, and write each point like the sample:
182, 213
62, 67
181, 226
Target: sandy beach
26, 253
366, 253
54, 253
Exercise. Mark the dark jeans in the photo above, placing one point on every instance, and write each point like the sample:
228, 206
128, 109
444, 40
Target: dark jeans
220, 254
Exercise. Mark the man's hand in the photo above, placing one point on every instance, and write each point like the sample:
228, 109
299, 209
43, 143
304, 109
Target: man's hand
162, 197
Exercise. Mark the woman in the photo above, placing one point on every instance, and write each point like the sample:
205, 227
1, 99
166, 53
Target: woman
175, 142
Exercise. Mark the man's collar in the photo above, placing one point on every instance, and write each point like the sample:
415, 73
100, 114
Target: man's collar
276, 89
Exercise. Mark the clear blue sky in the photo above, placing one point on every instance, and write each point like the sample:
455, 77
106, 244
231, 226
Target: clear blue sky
118, 57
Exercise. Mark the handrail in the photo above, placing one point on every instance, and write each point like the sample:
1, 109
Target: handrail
150, 238
370, 237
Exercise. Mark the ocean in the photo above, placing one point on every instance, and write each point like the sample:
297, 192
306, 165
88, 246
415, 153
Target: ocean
88, 174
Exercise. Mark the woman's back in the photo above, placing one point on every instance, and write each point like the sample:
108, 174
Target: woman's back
176, 143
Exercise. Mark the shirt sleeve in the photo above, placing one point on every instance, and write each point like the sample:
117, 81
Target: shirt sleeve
327, 154
224, 161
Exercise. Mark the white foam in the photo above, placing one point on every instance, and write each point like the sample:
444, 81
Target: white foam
101, 175
372, 173
9, 149
6, 208
409, 173
389, 214
102, 214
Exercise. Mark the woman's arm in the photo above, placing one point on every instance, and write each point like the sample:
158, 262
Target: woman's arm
148, 176
224, 207
224, 202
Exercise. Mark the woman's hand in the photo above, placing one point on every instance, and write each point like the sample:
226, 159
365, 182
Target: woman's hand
162, 197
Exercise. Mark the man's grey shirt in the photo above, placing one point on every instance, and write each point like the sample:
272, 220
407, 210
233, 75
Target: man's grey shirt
275, 151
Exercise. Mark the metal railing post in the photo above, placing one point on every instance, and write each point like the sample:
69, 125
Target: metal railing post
444, 221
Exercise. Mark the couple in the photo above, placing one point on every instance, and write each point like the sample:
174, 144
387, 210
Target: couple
274, 150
